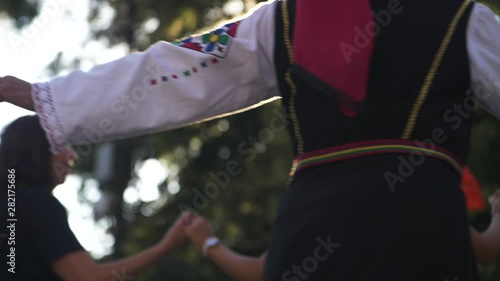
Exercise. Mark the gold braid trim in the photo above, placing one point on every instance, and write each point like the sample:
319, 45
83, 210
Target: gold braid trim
429, 79
289, 80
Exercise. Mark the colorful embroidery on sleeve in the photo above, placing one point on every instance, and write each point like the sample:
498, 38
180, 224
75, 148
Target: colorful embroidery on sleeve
215, 43
187, 73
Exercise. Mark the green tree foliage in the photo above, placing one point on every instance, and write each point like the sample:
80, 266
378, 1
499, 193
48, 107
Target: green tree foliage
174, 19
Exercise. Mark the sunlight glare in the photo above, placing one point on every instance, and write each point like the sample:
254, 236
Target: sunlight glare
151, 173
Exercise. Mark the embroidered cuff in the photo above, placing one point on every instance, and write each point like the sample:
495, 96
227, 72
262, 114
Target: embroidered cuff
44, 106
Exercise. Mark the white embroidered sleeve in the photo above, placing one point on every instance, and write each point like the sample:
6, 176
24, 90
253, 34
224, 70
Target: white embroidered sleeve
483, 43
168, 86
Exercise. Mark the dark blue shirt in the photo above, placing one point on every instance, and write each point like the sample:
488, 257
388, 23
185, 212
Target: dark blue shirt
42, 235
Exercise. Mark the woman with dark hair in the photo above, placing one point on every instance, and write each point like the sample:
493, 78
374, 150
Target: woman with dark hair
25, 149
45, 247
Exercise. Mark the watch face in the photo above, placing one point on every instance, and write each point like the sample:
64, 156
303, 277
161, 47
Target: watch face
212, 241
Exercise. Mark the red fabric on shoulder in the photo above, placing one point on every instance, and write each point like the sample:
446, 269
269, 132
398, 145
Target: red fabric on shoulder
333, 40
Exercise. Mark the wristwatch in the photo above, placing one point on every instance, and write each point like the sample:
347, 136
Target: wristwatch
210, 242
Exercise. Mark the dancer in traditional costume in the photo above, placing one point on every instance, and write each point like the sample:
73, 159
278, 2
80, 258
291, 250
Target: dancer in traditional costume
377, 98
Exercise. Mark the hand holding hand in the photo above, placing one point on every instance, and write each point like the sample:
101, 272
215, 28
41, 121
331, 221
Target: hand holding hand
16, 91
198, 230
175, 235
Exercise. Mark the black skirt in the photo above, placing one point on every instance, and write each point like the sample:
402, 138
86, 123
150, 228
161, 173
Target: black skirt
346, 222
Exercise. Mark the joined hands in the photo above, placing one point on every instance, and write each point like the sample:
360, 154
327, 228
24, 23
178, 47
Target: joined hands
187, 226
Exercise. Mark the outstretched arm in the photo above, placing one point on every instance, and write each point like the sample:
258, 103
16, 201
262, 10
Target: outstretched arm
16, 91
57, 245
487, 244
166, 87
79, 266
483, 44
238, 267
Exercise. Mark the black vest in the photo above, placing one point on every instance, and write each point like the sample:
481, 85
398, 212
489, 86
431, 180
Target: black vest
405, 49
